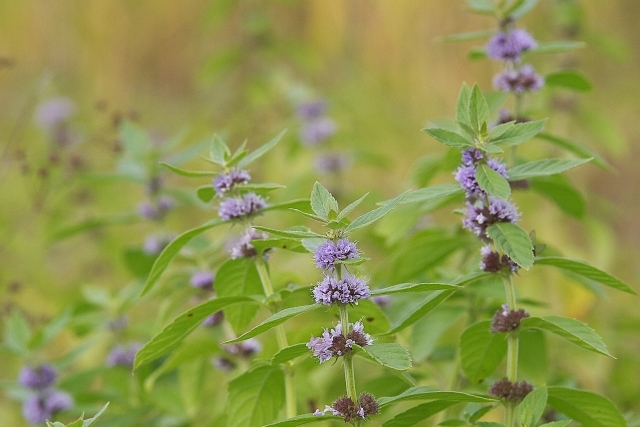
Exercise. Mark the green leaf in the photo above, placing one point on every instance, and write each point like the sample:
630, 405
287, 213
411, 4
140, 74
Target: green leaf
544, 168
290, 353
482, 6
562, 193
447, 137
375, 320
205, 193
289, 204
419, 308
418, 413
513, 241
563, 423
520, 8
489, 424
478, 110
274, 320
462, 105
172, 249
294, 234
256, 397
218, 151
589, 409
568, 79
533, 361
584, 269
492, 182
428, 330
138, 262
481, 351
430, 393
531, 408
182, 326
90, 224
303, 419
260, 188
374, 215
516, 134
17, 333
351, 207
558, 47
391, 355
190, 174
575, 148
441, 191
570, 329
260, 151
239, 277
322, 202
413, 287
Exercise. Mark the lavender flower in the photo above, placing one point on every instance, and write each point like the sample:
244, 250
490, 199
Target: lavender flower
508, 46
223, 364
202, 280
317, 131
165, 203
505, 320
123, 355
493, 262
479, 218
333, 343
348, 290
312, 109
244, 349
54, 111
471, 156
237, 207
147, 210
214, 320
511, 392
331, 163
225, 182
244, 248
41, 406
466, 174
38, 378
329, 252
518, 81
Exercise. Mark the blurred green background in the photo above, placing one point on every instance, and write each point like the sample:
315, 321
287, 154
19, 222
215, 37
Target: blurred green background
237, 67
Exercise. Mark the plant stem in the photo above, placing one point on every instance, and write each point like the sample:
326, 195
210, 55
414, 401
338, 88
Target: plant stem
512, 350
281, 337
349, 374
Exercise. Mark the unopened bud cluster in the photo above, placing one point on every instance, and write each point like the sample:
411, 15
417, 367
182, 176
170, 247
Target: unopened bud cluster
348, 409
506, 320
508, 391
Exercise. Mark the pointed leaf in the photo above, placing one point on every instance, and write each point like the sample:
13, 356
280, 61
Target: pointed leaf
589, 409
322, 202
430, 393
575, 148
492, 182
478, 110
441, 191
532, 407
563, 423
544, 168
568, 79
482, 6
391, 355
205, 193
520, 8
513, 241
290, 353
462, 106
294, 234
419, 309
584, 269
275, 320
172, 249
450, 138
289, 204
260, 151
218, 151
560, 191
239, 277
518, 133
256, 397
91, 421
350, 207
481, 351
304, 419
189, 174
374, 215
182, 326
418, 413
413, 287
570, 329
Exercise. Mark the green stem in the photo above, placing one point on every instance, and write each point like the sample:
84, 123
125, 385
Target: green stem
512, 349
281, 337
349, 374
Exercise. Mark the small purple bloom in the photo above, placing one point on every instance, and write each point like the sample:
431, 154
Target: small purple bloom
508, 46
165, 203
225, 182
312, 109
42, 405
243, 248
236, 207
202, 280
506, 320
147, 210
333, 343
317, 131
154, 244
348, 290
518, 81
245, 349
331, 163
223, 364
329, 252
479, 218
38, 378
466, 176
53, 112
493, 262
123, 355
382, 301
471, 156
214, 320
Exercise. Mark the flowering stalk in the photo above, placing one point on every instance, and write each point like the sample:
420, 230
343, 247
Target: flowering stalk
512, 349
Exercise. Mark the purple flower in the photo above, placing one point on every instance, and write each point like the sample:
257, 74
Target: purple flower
41, 406
518, 81
317, 131
466, 176
493, 262
123, 355
202, 280
38, 378
244, 349
244, 248
214, 320
382, 301
511, 392
506, 320
223, 364
237, 207
508, 46
312, 109
147, 210
154, 244
471, 156
348, 290
479, 218
53, 112
331, 163
165, 203
225, 182
333, 343
347, 408
329, 252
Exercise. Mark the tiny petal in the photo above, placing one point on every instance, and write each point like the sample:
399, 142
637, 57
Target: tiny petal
202, 280
123, 355
38, 378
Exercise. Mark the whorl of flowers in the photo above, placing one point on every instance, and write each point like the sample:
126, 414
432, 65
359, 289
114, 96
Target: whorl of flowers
506, 320
348, 409
494, 262
44, 400
347, 290
510, 45
241, 207
509, 391
329, 252
243, 248
333, 343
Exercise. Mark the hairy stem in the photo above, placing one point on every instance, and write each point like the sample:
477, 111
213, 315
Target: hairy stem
281, 337
512, 349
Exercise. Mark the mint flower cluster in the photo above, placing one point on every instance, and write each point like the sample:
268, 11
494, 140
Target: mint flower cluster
333, 343
348, 409
44, 401
508, 46
238, 206
316, 127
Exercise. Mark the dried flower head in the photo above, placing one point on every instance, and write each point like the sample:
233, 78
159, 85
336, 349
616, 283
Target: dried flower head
506, 320
494, 262
510, 392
